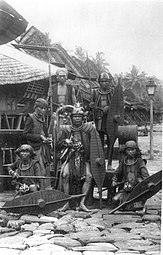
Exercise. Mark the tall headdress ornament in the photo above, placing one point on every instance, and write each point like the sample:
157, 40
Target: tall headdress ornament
77, 110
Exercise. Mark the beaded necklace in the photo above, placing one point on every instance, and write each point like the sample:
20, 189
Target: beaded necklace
25, 168
130, 164
76, 129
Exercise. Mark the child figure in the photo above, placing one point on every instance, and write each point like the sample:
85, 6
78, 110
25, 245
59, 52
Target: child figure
131, 171
25, 166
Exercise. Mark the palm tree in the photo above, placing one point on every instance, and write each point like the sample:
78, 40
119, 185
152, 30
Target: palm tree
136, 82
100, 62
47, 39
80, 53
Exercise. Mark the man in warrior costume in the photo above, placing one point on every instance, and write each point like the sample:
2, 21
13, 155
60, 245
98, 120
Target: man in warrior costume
25, 166
100, 105
131, 171
63, 93
36, 133
75, 146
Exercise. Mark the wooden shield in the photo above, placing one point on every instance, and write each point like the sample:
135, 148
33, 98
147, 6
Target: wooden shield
43, 201
116, 108
144, 190
147, 188
97, 159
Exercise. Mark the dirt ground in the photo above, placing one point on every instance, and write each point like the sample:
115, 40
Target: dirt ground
154, 165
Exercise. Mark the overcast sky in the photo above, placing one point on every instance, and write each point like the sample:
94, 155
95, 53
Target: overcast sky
129, 32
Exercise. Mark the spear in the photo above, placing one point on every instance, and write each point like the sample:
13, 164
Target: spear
29, 177
50, 94
98, 164
89, 77
117, 184
48, 50
90, 84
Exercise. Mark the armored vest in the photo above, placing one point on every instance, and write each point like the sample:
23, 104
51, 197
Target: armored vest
68, 97
38, 128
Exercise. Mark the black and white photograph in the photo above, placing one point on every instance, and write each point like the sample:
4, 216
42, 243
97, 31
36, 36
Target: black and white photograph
81, 106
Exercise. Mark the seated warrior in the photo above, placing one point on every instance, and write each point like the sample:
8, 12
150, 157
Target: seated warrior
131, 171
23, 167
74, 143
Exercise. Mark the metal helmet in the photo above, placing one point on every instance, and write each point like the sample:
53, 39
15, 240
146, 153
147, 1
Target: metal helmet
104, 76
131, 144
25, 147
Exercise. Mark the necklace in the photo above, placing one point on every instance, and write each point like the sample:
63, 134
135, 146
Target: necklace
75, 129
25, 167
105, 92
37, 118
129, 164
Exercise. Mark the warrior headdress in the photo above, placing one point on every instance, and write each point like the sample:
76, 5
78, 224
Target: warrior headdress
77, 110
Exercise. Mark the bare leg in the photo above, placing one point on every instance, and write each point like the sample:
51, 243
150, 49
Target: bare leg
42, 168
117, 197
85, 188
102, 137
65, 178
110, 153
65, 184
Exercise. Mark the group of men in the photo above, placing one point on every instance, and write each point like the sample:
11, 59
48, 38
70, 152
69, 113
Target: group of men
73, 139
73, 143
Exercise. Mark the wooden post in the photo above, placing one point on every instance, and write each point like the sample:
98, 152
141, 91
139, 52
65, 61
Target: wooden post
1, 172
151, 128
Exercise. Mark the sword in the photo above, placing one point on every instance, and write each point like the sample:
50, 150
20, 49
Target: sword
118, 183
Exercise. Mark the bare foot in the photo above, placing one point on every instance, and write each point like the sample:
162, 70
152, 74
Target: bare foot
110, 168
64, 208
84, 208
141, 212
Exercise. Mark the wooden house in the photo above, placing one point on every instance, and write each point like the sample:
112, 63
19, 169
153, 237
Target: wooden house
60, 57
23, 79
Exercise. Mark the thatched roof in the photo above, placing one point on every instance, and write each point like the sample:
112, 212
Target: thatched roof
12, 24
129, 95
17, 67
61, 57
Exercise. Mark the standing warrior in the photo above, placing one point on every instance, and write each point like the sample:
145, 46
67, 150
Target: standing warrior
101, 105
25, 166
36, 133
75, 146
63, 93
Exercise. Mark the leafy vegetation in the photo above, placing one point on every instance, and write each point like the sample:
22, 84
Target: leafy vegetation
133, 80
